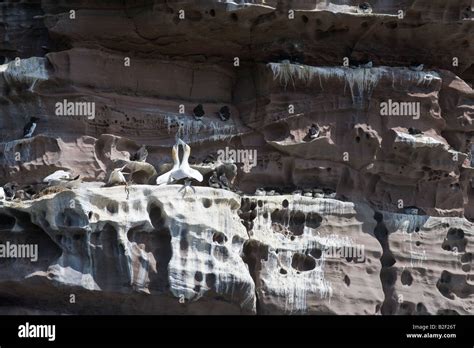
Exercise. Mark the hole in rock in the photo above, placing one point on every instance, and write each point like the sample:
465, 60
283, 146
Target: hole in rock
283, 271
6, 222
112, 207
219, 237
304, 19
467, 257
347, 280
313, 220
210, 280
445, 277
294, 221
221, 253
156, 216
285, 203
316, 253
302, 262
212, 13
206, 202
455, 239
183, 241
198, 276
357, 139
406, 278
234, 17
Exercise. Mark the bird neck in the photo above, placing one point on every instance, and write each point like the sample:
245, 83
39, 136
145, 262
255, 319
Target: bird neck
174, 155
187, 152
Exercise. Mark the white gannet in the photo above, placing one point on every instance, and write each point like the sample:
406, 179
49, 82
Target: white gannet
185, 171
117, 177
57, 177
167, 177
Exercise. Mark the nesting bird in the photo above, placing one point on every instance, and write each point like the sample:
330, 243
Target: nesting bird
30, 127
198, 112
224, 113
210, 158
314, 131
214, 180
367, 65
414, 131
225, 184
141, 155
117, 177
365, 7
419, 67
10, 190
58, 177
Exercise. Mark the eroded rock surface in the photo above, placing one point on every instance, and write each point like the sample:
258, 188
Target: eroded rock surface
397, 191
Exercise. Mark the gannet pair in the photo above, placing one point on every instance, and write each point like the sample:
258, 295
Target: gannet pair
180, 170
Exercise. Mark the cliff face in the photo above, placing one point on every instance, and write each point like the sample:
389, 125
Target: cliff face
373, 214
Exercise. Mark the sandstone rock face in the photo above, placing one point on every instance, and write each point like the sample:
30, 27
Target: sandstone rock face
374, 215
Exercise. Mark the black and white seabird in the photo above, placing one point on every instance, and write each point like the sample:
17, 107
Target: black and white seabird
367, 65
30, 127
117, 177
214, 180
365, 7
417, 67
210, 158
198, 112
313, 131
140, 155
10, 190
224, 113
224, 181
414, 131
